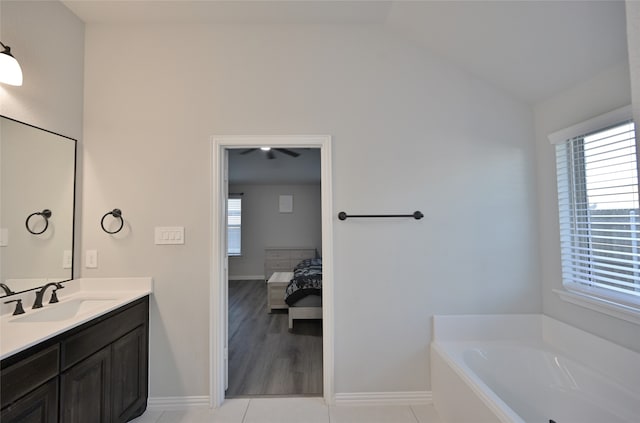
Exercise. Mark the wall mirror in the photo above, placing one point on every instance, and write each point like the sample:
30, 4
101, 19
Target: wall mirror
37, 181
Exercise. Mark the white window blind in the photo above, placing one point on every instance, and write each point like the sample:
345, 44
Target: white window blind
234, 226
599, 212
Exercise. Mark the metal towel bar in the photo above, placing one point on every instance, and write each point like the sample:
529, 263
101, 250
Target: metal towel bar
416, 215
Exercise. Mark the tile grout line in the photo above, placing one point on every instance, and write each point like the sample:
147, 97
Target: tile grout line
328, 412
414, 414
244, 416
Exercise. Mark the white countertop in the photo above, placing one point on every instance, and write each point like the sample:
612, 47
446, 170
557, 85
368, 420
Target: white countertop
16, 335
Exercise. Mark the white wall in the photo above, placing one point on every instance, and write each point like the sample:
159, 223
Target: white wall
48, 42
601, 94
264, 226
410, 132
633, 42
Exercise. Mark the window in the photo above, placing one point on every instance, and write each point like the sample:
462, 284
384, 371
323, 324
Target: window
234, 223
599, 210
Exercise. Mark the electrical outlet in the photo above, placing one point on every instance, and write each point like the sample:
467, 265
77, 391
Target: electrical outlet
91, 259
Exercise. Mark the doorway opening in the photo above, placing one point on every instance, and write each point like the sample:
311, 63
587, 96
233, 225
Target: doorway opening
220, 287
273, 238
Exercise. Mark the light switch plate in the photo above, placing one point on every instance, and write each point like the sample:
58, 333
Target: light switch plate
91, 259
167, 235
67, 259
4, 237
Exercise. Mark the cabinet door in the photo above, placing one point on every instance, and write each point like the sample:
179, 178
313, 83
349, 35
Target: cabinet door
39, 406
83, 343
129, 375
28, 373
85, 390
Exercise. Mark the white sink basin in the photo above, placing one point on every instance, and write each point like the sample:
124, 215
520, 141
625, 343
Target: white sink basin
65, 310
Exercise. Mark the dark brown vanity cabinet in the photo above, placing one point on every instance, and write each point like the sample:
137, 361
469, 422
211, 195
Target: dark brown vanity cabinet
96, 373
29, 388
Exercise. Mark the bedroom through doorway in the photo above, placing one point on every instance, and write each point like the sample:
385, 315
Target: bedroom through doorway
271, 302
274, 247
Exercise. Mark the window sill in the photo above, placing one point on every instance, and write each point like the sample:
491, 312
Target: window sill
619, 311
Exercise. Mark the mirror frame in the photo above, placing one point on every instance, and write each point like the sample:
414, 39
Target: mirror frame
73, 216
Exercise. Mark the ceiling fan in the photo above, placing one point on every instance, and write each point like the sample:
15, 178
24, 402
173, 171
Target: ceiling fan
270, 151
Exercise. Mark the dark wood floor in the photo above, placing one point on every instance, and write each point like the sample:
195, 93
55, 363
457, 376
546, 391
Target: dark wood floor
264, 357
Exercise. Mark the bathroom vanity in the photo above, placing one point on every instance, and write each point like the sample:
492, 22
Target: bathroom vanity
91, 367
79, 358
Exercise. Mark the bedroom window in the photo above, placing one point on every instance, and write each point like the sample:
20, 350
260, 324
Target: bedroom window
599, 211
234, 225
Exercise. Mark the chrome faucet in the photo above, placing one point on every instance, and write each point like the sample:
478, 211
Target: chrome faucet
40, 294
7, 290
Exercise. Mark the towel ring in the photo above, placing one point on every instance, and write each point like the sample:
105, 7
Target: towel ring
116, 213
46, 214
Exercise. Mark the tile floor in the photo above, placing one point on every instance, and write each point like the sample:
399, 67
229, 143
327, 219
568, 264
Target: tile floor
294, 410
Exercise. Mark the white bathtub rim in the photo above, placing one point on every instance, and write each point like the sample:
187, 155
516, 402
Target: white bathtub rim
593, 351
559, 337
490, 399
451, 352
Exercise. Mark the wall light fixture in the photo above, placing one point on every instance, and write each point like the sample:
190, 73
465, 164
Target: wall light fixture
10, 71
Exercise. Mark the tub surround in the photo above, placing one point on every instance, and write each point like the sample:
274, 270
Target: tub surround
19, 333
598, 373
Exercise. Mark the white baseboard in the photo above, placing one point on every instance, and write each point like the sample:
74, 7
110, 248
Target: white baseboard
246, 278
173, 403
384, 398
356, 398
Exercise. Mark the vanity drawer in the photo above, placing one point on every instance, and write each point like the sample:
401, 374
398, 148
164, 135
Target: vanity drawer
29, 373
104, 332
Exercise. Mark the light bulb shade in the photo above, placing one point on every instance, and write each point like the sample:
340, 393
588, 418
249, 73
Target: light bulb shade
10, 71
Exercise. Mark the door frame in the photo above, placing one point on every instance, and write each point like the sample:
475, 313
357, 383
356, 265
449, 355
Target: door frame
218, 272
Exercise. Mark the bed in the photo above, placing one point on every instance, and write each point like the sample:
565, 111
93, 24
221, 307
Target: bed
304, 292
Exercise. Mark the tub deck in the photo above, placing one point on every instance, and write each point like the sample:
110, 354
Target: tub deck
491, 371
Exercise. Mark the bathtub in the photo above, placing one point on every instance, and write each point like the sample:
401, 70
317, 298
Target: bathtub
530, 368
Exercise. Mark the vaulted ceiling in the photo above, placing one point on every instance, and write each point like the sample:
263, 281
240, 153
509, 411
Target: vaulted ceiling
530, 49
